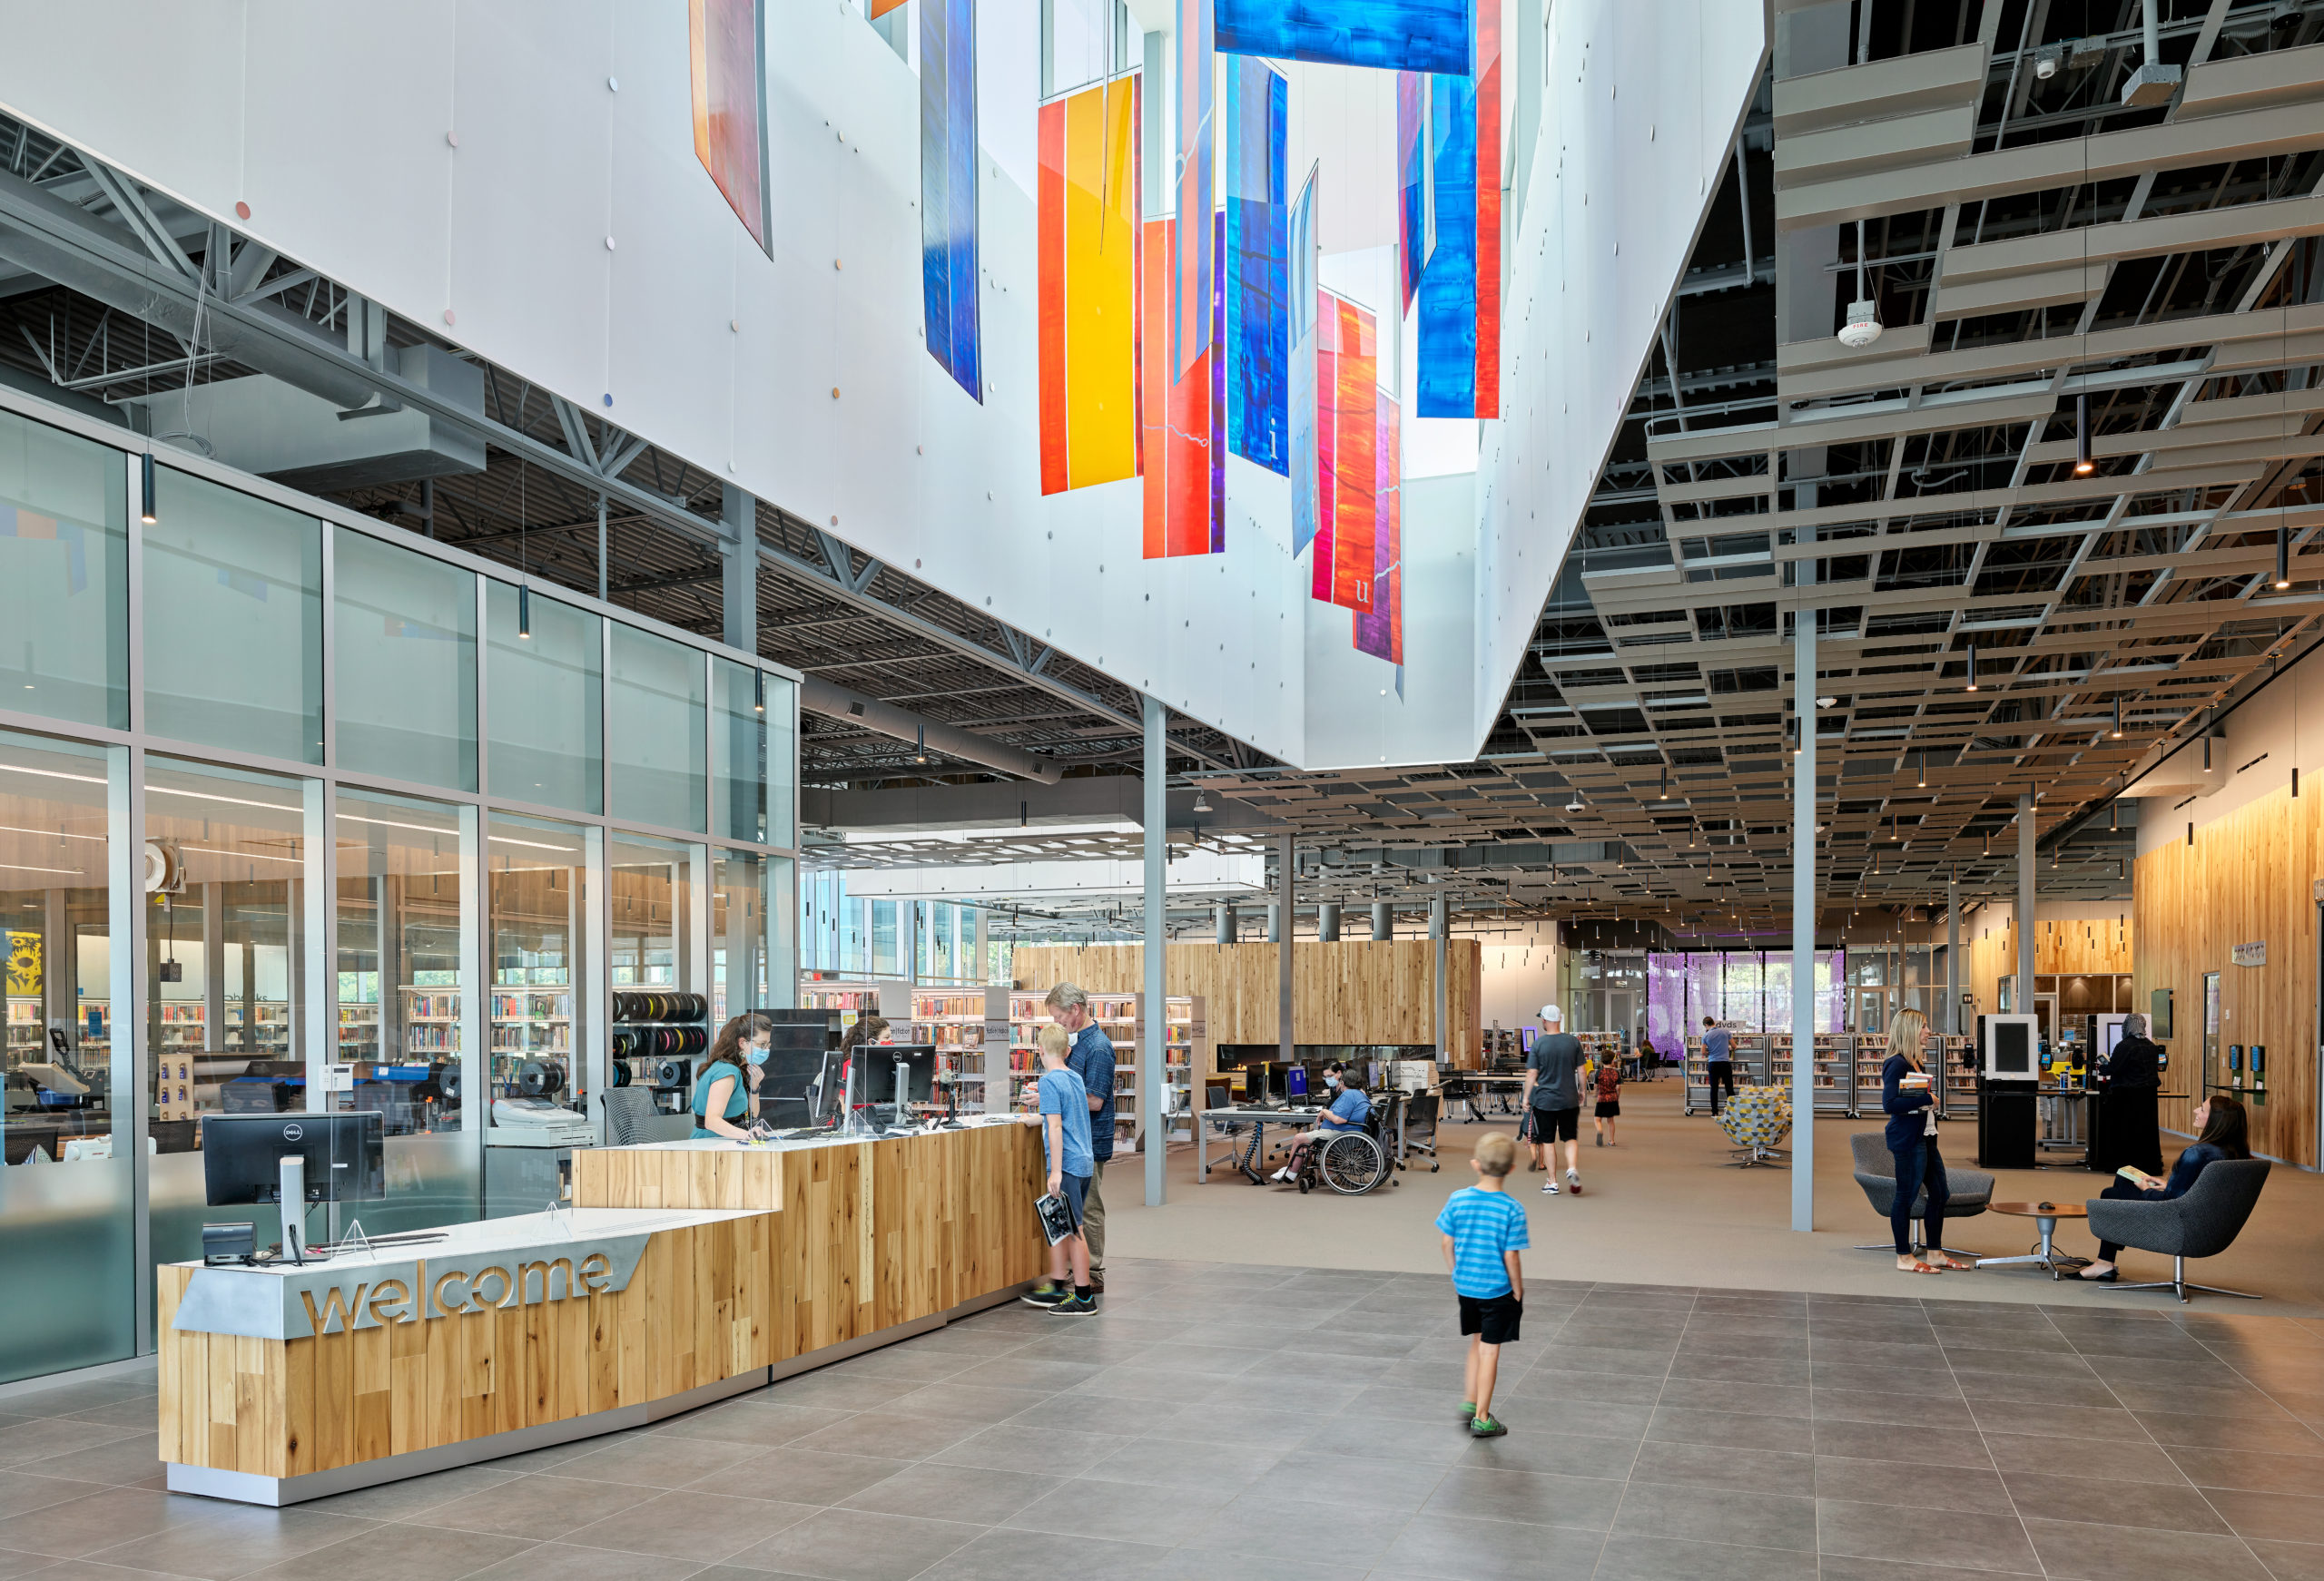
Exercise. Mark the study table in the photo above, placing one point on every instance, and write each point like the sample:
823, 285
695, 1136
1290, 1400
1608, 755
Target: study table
683, 1272
1259, 1120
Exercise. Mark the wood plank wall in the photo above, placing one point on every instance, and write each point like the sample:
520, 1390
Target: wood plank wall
1355, 991
2245, 880
2067, 946
867, 1236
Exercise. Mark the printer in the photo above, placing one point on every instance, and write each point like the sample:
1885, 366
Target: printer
537, 1122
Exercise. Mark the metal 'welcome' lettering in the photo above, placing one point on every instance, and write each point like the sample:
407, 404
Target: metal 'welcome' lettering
332, 1299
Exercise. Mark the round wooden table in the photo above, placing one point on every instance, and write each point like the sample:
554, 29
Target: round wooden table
2045, 1217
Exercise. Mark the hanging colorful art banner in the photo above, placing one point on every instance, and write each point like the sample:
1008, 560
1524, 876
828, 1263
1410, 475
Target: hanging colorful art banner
1390, 36
1301, 280
1258, 307
881, 7
1086, 239
727, 42
948, 188
1183, 442
1189, 325
1380, 631
1347, 423
1412, 181
1456, 235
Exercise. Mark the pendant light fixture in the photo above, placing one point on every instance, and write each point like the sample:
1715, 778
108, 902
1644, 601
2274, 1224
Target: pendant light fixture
2083, 465
145, 511
524, 611
758, 691
1666, 783
1921, 784
2116, 733
2283, 554
1973, 667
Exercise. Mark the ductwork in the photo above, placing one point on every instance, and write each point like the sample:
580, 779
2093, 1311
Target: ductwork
817, 696
44, 235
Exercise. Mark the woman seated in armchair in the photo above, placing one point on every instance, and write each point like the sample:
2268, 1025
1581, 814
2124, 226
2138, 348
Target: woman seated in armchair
2223, 1130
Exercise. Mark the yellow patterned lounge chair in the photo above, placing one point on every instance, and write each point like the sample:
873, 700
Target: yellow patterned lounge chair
1757, 1120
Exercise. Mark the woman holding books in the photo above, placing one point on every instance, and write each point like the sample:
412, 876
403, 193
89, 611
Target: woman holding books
2223, 1130
1906, 1099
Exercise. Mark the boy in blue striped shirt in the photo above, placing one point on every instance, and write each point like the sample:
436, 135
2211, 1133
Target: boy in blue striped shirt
1485, 1230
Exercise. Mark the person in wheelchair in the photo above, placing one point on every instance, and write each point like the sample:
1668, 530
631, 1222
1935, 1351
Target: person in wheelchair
1349, 1110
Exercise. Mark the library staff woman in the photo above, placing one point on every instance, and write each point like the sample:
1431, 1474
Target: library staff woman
725, 1099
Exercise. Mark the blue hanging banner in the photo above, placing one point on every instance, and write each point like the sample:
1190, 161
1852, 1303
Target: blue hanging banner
948, 188
1260, 331
1388, 35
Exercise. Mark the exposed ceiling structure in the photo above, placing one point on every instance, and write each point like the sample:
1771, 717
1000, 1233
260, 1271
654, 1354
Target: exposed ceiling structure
124, 304
2049, 226
2033, 242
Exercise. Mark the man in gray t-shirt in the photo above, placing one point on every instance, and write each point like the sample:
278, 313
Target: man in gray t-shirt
1553, 1102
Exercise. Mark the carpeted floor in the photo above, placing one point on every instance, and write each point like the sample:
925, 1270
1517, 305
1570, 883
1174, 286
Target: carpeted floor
1240, 1422
1665, 1207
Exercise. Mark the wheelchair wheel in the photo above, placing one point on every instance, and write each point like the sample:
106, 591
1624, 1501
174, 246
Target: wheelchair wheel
1304, 1182
1353, 1165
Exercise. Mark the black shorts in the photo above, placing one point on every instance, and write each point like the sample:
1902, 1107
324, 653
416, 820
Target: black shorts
1492, 1319
1607, 1108
1557, 1124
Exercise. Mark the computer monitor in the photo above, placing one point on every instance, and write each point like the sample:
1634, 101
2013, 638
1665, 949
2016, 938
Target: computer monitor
241, 1156
1295, 1083
789, 1077
875, 1073
2009, 1047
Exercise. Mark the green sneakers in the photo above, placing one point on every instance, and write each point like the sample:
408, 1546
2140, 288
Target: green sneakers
1074, 1306
1486, 1427
1468, 1410
1047, 1293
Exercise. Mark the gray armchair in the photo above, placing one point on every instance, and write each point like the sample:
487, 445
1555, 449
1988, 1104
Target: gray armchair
2203, 1222
1971, 1190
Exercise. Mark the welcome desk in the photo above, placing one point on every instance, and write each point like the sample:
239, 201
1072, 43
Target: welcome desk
685, 1273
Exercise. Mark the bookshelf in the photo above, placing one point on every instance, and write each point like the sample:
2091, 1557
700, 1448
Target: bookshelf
966, 1026
1187, 1059
266, 1036
432, 1023
27, 1034
533, 1022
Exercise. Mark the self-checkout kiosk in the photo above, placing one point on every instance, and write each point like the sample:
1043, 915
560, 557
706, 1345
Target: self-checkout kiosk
2009, 1075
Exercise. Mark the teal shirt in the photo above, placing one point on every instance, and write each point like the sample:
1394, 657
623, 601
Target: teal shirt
738, 1102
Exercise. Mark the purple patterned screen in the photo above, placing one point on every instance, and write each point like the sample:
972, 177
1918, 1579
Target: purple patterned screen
1749, 989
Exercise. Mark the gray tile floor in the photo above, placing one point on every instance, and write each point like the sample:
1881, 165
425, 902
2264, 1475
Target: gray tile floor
1222, 1422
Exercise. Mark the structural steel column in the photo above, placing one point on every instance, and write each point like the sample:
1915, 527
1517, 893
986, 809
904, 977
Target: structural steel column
1803, 922
1327, 921
1283, 931
2024, 1006
1154, 1087
1952, 1021
738, 519
1439, 925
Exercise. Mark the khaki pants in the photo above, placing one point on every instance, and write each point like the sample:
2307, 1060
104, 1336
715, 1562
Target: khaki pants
1093, 1218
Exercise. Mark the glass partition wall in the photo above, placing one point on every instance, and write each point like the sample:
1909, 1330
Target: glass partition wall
302, 813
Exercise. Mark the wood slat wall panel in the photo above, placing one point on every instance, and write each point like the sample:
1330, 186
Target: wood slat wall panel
1355, 991
2065, 946
2245, 880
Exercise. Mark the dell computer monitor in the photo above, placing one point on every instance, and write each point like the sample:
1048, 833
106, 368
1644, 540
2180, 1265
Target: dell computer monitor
241, 1156
1295, 1082
876, 1067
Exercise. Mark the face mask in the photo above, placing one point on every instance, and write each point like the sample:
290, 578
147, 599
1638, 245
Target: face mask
755, 1053
1331, 1080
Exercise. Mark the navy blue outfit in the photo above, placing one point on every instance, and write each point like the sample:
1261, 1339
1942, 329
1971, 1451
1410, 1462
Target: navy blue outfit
2182, 1175
1919, 1166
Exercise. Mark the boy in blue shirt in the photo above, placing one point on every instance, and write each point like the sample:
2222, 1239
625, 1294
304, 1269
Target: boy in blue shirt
1064, 1138
1485, 1230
